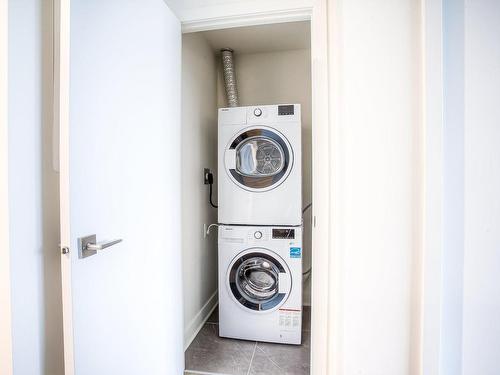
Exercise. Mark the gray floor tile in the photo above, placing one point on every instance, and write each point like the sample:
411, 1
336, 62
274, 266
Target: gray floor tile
214, 317
211, 353
278, 359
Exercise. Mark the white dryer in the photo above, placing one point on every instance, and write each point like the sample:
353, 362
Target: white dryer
260, 283
259, 168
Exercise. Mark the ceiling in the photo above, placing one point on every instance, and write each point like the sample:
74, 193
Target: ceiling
196, 10
178, 4
262, 38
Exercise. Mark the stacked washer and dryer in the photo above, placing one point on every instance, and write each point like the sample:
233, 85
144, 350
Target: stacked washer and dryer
260, 217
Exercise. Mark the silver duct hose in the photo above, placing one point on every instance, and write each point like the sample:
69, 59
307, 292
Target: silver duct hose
229, 77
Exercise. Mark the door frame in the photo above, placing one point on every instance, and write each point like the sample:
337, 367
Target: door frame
6, 364
61, 125
323, 131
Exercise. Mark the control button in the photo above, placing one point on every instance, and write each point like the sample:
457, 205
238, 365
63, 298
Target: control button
257, 112
258, 234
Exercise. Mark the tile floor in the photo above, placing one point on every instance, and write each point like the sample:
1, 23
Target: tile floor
211, 354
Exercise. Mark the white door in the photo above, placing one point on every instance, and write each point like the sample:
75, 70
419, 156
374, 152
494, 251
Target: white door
120, 173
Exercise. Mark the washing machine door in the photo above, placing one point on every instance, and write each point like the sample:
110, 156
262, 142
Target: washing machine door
259, 158
259, 280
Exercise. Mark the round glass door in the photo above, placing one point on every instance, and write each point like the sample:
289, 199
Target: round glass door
263, 159
254, 280
259, 157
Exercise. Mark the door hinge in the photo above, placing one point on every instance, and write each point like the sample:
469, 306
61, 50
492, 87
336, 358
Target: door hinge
65, 250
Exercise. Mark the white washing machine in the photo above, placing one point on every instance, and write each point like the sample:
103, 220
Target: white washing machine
260, 283
259, 168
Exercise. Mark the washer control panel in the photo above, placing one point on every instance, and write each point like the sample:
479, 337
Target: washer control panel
242, 234
257, 234
283, 233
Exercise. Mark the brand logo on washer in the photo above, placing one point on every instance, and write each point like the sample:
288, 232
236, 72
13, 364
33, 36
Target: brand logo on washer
295, 252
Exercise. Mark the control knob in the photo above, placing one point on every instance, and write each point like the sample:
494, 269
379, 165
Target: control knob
258, 235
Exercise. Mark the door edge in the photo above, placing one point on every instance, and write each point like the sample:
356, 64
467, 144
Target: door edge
61, 122
6, 358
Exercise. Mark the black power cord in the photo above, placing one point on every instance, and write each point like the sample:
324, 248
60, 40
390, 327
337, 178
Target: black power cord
210, 180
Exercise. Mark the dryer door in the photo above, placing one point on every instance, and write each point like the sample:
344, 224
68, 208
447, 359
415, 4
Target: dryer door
259, 158
259, 279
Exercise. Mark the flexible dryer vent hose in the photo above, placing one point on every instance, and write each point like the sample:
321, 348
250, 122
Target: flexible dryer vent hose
229, 77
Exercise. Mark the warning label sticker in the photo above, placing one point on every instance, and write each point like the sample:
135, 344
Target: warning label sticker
290, 319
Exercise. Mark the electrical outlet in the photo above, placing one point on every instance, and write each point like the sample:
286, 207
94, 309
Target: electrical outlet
206, 172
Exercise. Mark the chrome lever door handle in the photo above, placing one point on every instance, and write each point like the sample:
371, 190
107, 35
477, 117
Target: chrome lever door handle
102, 245
88, 245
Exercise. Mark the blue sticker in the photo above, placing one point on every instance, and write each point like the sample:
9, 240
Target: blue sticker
295, 252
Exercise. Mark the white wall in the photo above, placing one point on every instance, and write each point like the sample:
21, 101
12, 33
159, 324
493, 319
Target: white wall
470, 331
36, 306
375, 52
199, 150
280, 77
481, 286
453, 188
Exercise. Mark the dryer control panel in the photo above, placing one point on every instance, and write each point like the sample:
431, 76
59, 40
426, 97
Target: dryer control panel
286, 110
270, 114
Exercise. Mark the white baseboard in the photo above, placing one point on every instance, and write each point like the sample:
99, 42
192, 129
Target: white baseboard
199, 320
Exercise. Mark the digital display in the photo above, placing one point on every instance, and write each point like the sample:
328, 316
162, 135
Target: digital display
284, 233
285, 110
